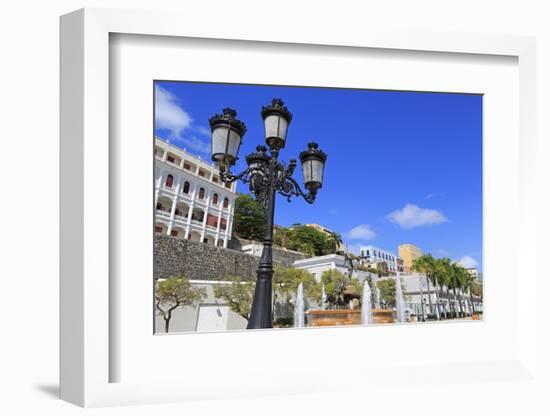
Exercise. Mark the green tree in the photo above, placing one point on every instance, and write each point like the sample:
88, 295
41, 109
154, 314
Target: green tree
427, 264
445, 276
470, 281
237, 293
464, 278
476, 289
308, 240
249, 218
281, 236
173, 293
286, 281
387, 291
455, 278
339, 288
381, 269
333, 242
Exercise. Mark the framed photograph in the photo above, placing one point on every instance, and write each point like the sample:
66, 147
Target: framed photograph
276, 208
219, 234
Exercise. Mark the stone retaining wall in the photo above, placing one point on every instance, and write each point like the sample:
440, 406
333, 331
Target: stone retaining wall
199, 261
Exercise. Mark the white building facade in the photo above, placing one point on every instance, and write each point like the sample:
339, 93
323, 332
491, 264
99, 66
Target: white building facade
211, 315
191, 201
372, 254
317, 265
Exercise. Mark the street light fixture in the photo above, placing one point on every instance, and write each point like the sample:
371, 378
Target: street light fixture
227, 135
266, 176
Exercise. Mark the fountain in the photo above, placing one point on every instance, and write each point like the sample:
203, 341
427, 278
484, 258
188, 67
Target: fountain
378, 297
323, 297
299, 321
399, 300
366, 305
342, 309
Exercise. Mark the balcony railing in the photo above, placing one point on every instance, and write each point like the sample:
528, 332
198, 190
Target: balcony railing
162, 213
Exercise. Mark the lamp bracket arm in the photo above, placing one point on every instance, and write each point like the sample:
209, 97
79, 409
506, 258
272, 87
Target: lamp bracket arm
228, 177
288, 187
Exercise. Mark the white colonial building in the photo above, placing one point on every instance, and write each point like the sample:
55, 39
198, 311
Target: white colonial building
191, 201
373, 255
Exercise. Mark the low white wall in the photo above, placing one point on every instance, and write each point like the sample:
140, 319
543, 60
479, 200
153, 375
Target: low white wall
187, 319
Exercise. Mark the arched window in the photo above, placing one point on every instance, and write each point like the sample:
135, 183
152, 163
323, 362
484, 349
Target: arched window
169, 181
186, 187
201, 193
226, 203
215, 199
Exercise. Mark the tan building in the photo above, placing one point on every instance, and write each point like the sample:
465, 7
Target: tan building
409, 252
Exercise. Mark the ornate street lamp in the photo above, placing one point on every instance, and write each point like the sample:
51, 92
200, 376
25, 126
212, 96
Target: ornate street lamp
266, 176
227, 135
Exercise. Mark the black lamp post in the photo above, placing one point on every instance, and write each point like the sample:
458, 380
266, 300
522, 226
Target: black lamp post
266, 176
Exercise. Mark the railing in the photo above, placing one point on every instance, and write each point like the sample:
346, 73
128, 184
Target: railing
162, 213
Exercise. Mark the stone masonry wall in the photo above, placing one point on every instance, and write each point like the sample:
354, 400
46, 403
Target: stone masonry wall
280, 254
199, 261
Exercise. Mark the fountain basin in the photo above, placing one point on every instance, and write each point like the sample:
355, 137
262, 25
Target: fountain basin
339, 317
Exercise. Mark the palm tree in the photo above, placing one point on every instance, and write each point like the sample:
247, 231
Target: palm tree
445, 272
441, 278
335, 241
477, 290
469, 285
459, 278
427, 264
466, 284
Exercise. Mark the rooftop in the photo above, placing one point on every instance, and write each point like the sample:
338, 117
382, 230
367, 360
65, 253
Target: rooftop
182, 152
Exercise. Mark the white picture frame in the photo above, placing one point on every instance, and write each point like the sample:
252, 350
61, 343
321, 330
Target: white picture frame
86, 355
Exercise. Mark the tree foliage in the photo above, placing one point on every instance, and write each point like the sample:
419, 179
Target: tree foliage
450, 276
387, 291
334, 241
380, 270
339, 288
306, 239
249, 218
238, 294
428, 265
173, 293
286, 281
477, 289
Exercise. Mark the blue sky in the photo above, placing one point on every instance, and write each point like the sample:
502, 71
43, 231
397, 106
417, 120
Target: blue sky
403, 167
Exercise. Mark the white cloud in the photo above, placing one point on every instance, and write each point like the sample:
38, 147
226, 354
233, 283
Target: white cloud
203, 130
434, 195
468, 262
411, 216
361, 232
193, 144
168, 114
